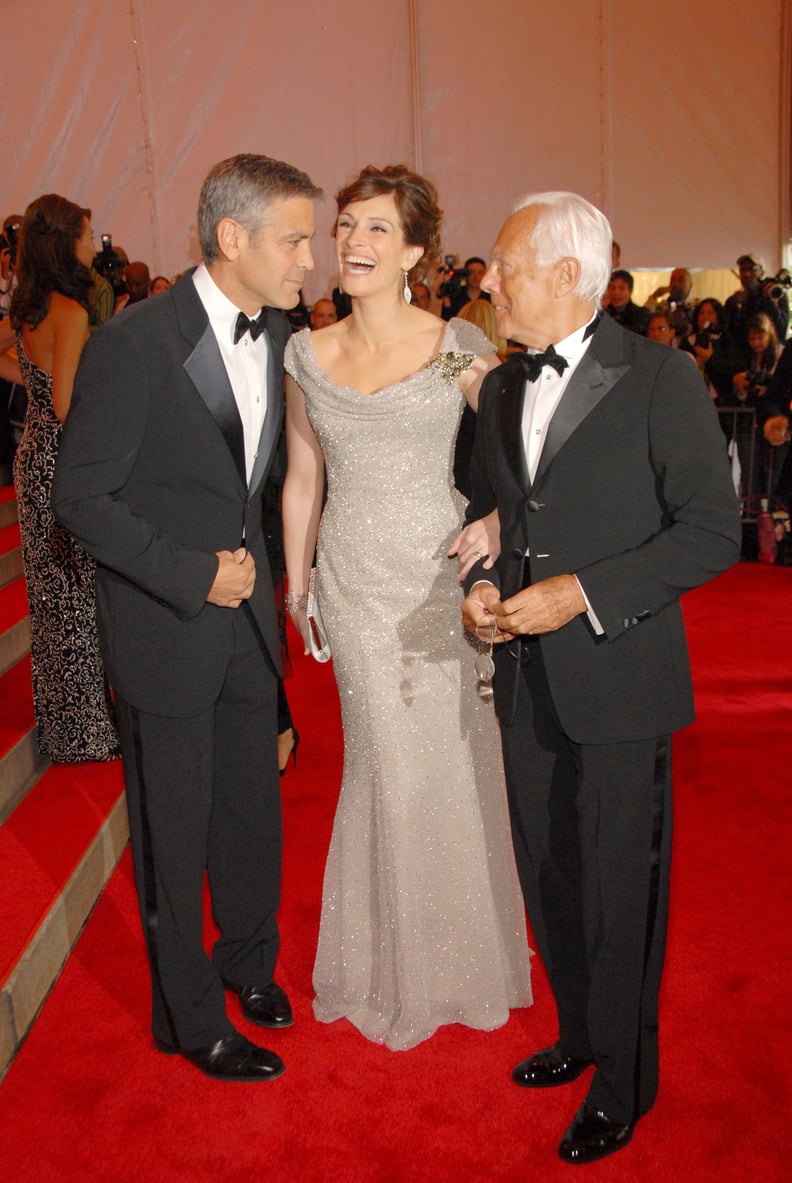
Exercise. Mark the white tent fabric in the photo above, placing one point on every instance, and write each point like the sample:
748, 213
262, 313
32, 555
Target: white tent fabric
676, 123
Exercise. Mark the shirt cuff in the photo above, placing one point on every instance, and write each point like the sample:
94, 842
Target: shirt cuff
592, 615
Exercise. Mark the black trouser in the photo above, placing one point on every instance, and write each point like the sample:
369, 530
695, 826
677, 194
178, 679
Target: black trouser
203, 793
592, 836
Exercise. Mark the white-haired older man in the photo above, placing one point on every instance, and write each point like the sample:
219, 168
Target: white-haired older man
605, 460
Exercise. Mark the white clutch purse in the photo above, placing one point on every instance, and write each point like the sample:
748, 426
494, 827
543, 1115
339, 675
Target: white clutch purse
317, 634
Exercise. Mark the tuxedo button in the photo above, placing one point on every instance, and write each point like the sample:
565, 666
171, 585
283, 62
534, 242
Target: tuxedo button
533, 506
517, 553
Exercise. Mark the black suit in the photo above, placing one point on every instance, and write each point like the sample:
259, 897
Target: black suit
151, 480
632, 494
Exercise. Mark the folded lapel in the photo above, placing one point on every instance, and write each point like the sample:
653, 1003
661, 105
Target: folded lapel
209, 376
600, 369
273, 419
206, 370
512, 399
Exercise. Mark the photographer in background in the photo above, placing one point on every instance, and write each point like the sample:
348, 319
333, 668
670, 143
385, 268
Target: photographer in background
13, 399
110, 264
742, 375
461, 284
704, 335
673, 298
757, 294
8, 249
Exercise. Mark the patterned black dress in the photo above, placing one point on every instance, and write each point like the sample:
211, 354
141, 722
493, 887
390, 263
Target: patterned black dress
70, 694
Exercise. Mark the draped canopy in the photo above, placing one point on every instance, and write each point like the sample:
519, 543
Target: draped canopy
676, 122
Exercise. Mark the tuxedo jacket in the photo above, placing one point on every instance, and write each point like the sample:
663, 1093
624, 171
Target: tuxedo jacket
633, 495
151, 480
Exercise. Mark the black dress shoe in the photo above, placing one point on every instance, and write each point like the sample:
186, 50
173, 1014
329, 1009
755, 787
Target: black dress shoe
593, 1135
548, 1068
267, 1006
231, 1058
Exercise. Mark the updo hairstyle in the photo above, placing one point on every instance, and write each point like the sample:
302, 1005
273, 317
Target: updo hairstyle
416, 202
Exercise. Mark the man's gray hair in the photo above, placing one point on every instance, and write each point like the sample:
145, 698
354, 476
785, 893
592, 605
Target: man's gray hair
568, 226
242, 188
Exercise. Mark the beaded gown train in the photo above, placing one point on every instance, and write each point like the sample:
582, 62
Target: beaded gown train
73, 710
422, 917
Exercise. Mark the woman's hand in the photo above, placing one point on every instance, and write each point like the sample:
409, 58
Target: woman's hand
479, 540
299, 618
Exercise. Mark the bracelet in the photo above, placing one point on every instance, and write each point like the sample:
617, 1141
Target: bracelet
294, 603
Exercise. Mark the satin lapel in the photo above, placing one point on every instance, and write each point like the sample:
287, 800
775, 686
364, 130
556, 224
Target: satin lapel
274, 417
598, 372
512, 399
206, 370
210, 378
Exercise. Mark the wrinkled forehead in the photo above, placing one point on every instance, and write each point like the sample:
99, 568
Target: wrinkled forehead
513, 244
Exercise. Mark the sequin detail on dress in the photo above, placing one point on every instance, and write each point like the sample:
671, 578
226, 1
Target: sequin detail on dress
422, 916
70, 695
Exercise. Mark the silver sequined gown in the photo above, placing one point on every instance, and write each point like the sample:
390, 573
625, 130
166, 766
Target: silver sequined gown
74, 713
422, 916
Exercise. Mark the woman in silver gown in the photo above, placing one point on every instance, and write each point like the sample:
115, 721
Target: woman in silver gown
422, 917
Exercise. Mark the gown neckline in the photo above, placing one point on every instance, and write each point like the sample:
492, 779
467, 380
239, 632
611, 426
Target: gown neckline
382, 389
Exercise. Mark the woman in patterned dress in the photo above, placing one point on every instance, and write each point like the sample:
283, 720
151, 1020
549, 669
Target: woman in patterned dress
49, 313
422, 918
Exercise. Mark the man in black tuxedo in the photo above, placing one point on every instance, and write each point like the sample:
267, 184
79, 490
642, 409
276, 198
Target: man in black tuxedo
175, 418
609, 471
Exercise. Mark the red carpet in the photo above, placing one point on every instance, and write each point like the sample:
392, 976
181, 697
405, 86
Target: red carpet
88, 1099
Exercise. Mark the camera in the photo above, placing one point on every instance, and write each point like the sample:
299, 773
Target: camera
755, 379
9, 240
705, 337
774, 284
453, 285
110, 265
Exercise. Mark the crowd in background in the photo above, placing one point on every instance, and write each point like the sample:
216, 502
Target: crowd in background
737, 345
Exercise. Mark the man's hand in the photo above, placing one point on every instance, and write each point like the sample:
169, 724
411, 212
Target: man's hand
776, 430
479, 607
541, 608
235, 578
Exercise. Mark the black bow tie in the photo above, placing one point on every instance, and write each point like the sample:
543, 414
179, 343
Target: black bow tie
532, 363
245, 325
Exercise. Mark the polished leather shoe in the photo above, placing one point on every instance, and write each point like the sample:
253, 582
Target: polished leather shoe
549, 1068
231, 1058
267, 1006
593, 1135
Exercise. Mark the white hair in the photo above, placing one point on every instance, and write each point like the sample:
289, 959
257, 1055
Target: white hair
568, 226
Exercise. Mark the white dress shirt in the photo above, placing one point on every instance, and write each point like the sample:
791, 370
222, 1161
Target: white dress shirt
542, 397
246, 362
544, 394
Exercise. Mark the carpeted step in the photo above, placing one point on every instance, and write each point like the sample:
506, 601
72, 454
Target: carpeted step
63, 830
14, 623
57, 850
8, 506
10, 554
20, 761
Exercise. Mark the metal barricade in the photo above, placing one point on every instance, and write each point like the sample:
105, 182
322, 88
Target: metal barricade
739, 425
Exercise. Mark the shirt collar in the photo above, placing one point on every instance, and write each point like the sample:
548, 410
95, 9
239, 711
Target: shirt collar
221, 311
575, 345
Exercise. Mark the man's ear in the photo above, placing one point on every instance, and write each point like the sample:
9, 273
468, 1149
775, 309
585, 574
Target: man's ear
567, 275
229, 234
